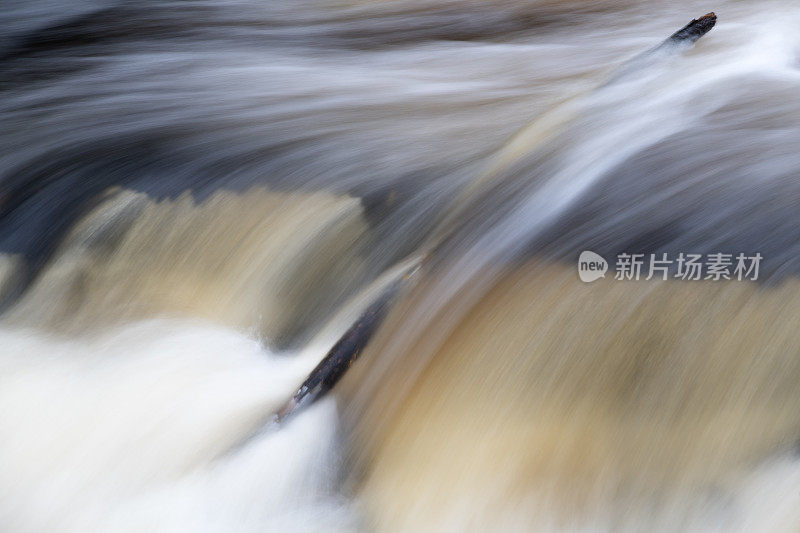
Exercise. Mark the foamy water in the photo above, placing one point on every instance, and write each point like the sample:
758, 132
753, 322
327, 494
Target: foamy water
130, 431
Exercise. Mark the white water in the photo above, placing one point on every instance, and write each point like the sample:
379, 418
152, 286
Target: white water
133, 431
128, 432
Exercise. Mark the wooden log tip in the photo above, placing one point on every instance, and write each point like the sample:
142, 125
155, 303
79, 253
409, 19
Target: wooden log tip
708, 21
699, 27
695, 29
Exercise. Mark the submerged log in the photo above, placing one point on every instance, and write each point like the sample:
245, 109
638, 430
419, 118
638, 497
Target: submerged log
554, 120
679, 41
690, 33
344, 353
349, 347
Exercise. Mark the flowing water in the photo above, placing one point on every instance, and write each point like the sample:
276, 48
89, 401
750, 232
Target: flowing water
197, 198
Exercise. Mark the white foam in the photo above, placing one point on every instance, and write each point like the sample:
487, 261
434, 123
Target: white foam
129, 432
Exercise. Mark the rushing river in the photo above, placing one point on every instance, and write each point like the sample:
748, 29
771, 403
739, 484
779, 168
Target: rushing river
197, 198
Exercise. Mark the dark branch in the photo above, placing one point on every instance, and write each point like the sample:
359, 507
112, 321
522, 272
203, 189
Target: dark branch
680, 40
348, 348
338, 360
694, 30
